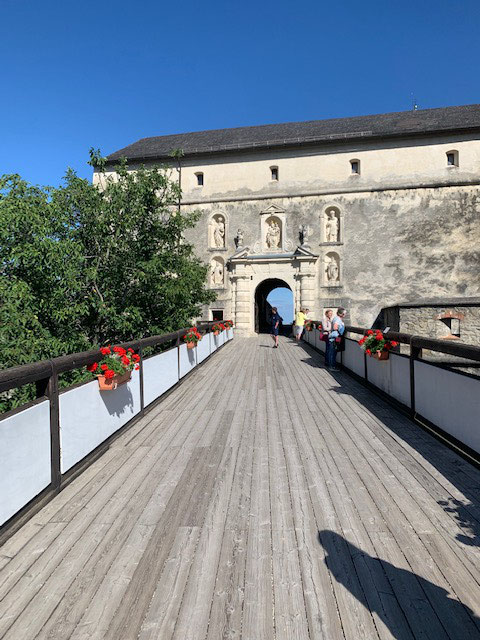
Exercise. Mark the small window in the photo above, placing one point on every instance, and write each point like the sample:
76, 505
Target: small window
217, 315
274, 171
453, 325
355, 167
199, 179
452, 159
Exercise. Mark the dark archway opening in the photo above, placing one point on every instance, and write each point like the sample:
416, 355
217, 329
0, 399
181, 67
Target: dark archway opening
263, 308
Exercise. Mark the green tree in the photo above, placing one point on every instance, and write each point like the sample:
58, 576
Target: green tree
85, 264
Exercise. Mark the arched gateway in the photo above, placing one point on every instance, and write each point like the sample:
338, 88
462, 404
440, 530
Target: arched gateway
262, 305
254, 275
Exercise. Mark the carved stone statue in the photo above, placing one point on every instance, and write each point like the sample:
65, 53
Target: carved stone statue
273, 235
303, 234
217, 272
332, 269
217, 232
239, 239
331, 227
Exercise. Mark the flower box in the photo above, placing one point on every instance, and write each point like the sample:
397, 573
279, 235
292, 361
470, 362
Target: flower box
192, 337
105, 384
115, 368
376, 345
218, 328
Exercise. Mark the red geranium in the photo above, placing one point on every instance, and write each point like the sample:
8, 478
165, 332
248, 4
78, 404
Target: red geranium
375, 342
192, 335
116, 361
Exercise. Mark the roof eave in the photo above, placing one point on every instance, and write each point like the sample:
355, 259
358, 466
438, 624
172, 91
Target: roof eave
326, 140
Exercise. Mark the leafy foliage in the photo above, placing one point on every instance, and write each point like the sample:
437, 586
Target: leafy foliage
85, 264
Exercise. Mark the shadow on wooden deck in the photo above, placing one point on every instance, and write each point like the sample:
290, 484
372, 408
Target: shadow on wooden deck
454, 468
381, 587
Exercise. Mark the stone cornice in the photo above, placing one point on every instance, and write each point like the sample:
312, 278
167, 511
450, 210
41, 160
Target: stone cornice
333, 192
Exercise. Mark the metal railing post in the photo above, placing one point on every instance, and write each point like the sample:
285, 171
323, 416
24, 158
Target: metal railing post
142, 397
415, 352
54, 400
178, 353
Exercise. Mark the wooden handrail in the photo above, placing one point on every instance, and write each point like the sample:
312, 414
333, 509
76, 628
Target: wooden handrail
417, 343
28, 373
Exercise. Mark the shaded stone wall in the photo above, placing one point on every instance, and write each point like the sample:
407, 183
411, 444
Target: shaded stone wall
394, 245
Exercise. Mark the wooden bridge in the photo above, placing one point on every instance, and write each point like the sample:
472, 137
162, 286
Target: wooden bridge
264, 498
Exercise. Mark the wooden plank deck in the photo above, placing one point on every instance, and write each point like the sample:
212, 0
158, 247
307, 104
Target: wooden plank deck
265, 498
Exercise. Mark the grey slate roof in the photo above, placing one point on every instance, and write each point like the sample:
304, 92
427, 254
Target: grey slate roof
403, 123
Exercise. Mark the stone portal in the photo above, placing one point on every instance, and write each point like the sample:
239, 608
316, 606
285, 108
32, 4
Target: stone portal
263, 308
253, 276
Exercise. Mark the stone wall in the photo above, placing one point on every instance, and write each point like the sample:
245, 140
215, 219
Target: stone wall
394, 245
426, 321
408, 224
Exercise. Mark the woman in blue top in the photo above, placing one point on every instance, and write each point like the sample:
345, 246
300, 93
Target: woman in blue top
275, 320
338, 329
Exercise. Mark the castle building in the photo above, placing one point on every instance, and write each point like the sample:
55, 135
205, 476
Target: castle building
362, 212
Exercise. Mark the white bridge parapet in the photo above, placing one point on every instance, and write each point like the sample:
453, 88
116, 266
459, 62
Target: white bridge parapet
437, 395
86, 419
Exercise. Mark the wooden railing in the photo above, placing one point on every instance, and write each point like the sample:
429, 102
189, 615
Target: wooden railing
45, 376
443, 396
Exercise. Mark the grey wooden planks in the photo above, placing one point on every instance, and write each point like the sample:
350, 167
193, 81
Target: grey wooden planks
277, 502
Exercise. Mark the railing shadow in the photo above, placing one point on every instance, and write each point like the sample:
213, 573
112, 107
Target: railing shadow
464, 519
455, 469
409, 606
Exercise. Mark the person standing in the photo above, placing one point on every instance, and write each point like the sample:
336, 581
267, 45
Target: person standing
299, 324
335, 338
326, 329
275, 320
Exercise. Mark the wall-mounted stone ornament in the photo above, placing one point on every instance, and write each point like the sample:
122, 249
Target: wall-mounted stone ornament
216, 232
239, 239
217, 268
273, 233
332, 225
332, 269
303, 233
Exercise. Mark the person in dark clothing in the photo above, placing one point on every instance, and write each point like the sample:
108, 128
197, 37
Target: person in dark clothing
275, 321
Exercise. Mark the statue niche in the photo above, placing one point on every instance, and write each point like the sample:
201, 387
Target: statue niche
332, 269
332, 225
216, 232
217, 272
273, 233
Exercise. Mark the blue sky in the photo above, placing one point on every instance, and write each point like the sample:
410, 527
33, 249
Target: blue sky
81, 74
282, 298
